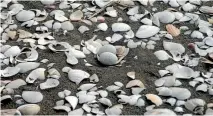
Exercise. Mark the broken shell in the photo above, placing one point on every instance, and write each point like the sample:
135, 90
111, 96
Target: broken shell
107, 48
155, 99
67, 25
12, 51
196, 105
76, 16
25, 15
36, 74
27, 66
83, 29
120, 27
49, 83
162, 112
135, 83
102, 26
86, 87
162, 55
32, 96
72, 100
76, 112
206, 9
165, 16
172, 30
29, 109
10, 71
15, 84
146, 31
65, 108
11, 34
105, 101
131, 75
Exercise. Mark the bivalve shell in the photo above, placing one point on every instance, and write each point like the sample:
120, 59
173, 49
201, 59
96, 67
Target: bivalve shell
174, 31
108, 58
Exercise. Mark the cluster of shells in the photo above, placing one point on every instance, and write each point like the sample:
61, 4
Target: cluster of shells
20, 61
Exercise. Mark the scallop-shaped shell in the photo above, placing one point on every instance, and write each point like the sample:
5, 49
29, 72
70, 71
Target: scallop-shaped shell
174, 31
107, 48
108, 58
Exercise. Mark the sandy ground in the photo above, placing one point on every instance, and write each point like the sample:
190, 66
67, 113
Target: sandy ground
145, 66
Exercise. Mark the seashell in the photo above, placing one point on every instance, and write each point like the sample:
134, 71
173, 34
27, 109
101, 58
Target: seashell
135, 83
105, 101
114, 110
137, 90
7, 112
206, 30
132, 44
102, 3
131, 74
165, 16
183, 72
178, 109
76, 16
15, 84
146, 21
132, 100
86, 87
208, 41
165, 81
76, 75
53, 73
36, 74
203, 87
206, 9
63, 108
31, 55
64, 5
78, 112
162, 55
86, 98
129, 34
103, 93
12, 51
49, 23
54, 12
180, 103
32, 96
178, 15
116, 27
47, 2
107, 48
108, 58
29, 109
56, 25
171, 101
10, 71
115, 37
71, 59
24, 34
118, 84
112, 88
111, 13
176, 93
146, 31
133, 11
197, 34
140, 102
73, 101
67, 25
49, 83
83, 29
188, 7
119, 92
162, 112
11, 34
174, 3
172, 30
195, 105
25, 15
102, 26
94, 78
155, 99
27, 66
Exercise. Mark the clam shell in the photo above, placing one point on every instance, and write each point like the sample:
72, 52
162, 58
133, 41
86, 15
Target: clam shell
86, 87
47, 2
107, 48
188, 7
76, 16
155, 99
172, 30
115, 110
165, 16
133, 10
116, 37
196, 105
29, 109
83, 29
162, 112
162, 55
108, 58
208, 41
102, 26
176, 93
197, 34
203, 87
72, 100
32, 96
71, 59
76, 112
11, 34
206, 9
67, 25
12, 51
25, 15
64, 108
27, 66
16, 84
36, 74
116, 27
105, 101
49, 83
135, 83
146, 31
137, 90
77, 76
131, 74
10, 71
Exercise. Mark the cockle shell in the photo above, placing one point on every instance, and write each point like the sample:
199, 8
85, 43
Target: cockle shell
174, 31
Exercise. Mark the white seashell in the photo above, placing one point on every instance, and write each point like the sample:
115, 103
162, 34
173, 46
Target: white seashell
76, 75
10, 71
47, 2
115, 110
86, 98
132, 44
87, 108
64, 108
60, 18
193, 83
76, 112
36, 74
32, 96
94, 78
24, 34
107, 48
67, 25
27, 66
116, 37
49, 24
15, 84
206, 9
112, 88
196, 105
73, 101
184, 72
71, 59
83, 29
54, 12
203, 87
155, 99
140, 102
29, 109
31, 55
178, 15
102, 3
197, 34
188, 7
77, 53
86, 87
112, 13
76, 16
129, 34
176, 93
208, 41
131, 74
146, 21
178, 109
120, 27
180, 103
64, 5
165, 16
133, 10
119, 84
56, 25
206, 30
49, 83
61, 95
137, 90
171, 101
53, 73
25, 15
105, 101
12, 51
102, 26
174, 3
146, 31
162, 112
135, 83
162, 55
103, 93
108, 58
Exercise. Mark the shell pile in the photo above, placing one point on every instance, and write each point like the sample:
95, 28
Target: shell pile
105, 57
